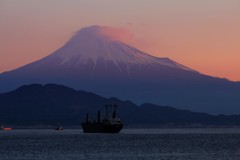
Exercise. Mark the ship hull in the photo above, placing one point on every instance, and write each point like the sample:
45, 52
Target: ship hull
101, 128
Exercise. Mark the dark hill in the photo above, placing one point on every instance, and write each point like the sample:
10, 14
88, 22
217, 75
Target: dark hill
52, 104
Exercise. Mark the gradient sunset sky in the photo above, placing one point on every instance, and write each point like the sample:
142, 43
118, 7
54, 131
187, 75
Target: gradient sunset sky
201, 34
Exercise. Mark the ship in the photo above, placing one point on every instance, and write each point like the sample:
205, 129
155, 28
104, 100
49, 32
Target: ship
110, 124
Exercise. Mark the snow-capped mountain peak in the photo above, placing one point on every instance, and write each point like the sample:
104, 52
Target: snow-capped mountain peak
94, 44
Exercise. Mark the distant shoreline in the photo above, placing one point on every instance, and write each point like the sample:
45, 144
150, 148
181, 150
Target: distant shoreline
143, 126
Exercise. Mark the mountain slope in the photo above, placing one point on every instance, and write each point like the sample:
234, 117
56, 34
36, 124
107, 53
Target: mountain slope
52, 104
94, 61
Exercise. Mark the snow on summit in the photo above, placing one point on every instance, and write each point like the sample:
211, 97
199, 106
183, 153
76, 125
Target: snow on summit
96, 43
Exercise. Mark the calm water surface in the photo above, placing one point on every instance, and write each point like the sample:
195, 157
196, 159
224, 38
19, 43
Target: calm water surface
130, 144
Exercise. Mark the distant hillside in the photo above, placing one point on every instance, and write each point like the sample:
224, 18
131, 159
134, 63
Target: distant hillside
52, 104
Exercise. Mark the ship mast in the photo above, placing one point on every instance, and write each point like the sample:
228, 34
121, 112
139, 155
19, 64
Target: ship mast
111, 111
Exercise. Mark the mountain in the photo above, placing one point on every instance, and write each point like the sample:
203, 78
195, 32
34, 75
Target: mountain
96, 62
51, 104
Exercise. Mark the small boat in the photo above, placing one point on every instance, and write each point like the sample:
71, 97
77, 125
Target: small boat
111, 124
6, 128
59, 128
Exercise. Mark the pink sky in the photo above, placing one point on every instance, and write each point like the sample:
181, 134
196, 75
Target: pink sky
203, 35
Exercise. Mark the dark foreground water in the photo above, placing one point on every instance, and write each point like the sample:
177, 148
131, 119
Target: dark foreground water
130, 144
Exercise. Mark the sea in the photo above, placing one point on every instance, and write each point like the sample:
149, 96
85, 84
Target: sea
129, 144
